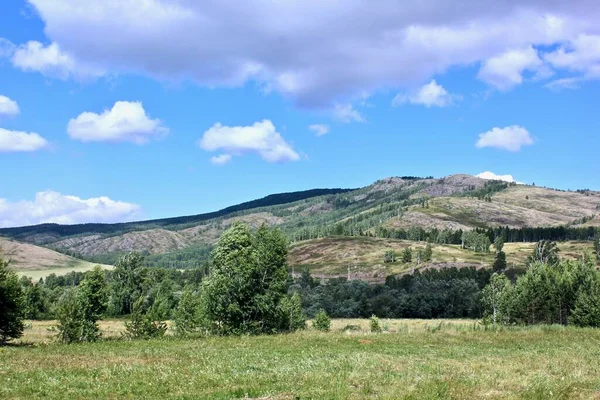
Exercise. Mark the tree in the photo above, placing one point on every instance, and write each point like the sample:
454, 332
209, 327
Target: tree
11, 304
80, 309
143, 322
427, 253
188, 317
407, 255
389, 256
496, 297
322, 322
499, 244
247, 285
587, 307
34, 300
126, 284
499, 261
545, 252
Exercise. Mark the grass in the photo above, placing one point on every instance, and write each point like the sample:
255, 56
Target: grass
420, 360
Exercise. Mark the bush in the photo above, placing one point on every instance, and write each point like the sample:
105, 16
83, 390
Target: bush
375, 326
143, 324
351, 327
322, 321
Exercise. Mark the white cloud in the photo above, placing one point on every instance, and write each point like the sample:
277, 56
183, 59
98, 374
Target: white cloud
429, 95
493, 176
220, 159
510, 138
316, 53
51, 61
16, 141
54, 207
125, 122
261, 138
505, 71
582, 55
8, 107
346, 113
319, 129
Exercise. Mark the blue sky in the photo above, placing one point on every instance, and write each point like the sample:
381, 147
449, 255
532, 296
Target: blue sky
132, 109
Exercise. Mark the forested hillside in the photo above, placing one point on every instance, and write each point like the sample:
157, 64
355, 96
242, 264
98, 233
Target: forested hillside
405, 208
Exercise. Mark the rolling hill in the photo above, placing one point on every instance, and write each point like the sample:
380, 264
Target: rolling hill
398, 203
36, 261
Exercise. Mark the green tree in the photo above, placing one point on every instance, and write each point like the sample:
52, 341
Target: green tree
389, 256
499, 244
143, 322
407, 255
293, 318
587, 307
34, 301
545, 252
375, 324
11, 304
247, 285
499, 261
322, 322
188, 315
80, 309
427, 253
126, 284
496, 298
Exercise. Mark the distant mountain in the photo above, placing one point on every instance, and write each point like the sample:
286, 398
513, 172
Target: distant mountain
398, 203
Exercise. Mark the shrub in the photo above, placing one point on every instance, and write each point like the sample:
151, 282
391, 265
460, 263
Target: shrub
375, 326
351, 327
143, 324
322, 321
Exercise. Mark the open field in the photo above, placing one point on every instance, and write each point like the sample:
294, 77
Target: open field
420, 360
364, 255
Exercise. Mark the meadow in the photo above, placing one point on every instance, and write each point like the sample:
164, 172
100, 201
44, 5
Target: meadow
414, 359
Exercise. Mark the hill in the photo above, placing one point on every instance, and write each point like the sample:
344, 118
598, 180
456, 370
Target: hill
36, 261
388, 208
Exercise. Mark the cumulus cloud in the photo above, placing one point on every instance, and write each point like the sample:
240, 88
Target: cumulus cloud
346, 113
429, 95
51, 61
220, 159
319, 129
125, 122
16, 141
53, 207
313, 52
510, 138
493, 176
260, 138
8, 107
506, 70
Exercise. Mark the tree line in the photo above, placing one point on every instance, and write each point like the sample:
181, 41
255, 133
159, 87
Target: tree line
246, 289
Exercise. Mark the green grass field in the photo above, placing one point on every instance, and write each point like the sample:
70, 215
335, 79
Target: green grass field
416, 360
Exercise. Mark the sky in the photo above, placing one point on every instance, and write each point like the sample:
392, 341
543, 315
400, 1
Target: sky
125, 110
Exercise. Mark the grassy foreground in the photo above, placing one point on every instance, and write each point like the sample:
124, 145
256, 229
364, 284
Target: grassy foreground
416, 360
